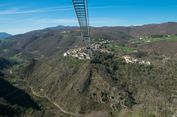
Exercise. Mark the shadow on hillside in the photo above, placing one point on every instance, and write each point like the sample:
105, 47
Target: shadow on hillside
4, 63
13, 96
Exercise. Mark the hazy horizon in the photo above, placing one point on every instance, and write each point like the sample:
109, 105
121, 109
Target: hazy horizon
18, 17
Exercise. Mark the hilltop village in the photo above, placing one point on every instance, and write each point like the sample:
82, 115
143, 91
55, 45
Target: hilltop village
82, 53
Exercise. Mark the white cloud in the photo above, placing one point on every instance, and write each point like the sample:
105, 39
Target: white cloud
3, 4
102, 21
13, 11
25, 25
22, 10
108, 6
56, 21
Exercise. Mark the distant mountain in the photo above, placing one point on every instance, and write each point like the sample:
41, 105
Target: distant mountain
61, 27
58, 39
169, 28
4, 35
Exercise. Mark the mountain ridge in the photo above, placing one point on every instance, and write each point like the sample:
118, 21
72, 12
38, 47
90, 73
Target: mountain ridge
4, 35
59, 39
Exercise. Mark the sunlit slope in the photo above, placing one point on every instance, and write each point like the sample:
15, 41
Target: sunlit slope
50, 41
106, 84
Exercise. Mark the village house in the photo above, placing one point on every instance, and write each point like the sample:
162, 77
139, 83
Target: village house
79, 53
129, 59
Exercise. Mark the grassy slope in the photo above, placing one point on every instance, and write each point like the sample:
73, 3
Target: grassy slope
160, 46
104, 82
107, 84
156, 39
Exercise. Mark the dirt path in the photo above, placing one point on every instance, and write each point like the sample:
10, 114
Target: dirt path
54, 103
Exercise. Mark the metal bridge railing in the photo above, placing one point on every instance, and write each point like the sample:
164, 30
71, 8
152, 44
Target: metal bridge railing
81, 9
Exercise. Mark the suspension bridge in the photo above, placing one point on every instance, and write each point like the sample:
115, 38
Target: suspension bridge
81, 9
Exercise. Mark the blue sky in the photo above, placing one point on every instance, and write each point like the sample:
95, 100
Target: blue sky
19, 16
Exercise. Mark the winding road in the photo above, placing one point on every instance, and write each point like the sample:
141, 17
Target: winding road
54, 103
